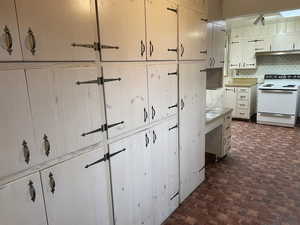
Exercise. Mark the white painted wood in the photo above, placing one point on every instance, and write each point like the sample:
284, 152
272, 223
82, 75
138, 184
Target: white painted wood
45, 112
119, 26
219, 46
248, 54
16, 124
161, 29
192, 125
127, 99
8, 18
131, 180
230, 99
282, 42
80, 107
82, 195
163, 90
235, 58
55, 25
192, 35
16, 206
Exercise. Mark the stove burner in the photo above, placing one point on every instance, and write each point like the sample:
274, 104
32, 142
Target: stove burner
268, 85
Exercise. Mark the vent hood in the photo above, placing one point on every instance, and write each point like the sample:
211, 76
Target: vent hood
289, 52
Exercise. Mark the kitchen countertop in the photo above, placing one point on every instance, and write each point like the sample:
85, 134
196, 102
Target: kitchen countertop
242, 82
215, 113
239, 85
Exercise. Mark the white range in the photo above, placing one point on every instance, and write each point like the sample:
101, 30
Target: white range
277, 100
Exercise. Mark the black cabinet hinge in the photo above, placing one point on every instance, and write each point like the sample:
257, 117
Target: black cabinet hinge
172, 128
173, 106
103, 128
106, 157
99, 81
174, 196
174, 73
172, 10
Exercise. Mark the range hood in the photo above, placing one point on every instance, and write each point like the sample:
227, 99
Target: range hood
289, 52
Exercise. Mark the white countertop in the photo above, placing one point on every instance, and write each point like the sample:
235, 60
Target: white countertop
215, 113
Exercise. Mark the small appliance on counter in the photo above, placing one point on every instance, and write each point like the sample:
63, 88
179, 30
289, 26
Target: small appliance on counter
277, 100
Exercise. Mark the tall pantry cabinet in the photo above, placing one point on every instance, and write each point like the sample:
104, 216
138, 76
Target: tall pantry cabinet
104, 123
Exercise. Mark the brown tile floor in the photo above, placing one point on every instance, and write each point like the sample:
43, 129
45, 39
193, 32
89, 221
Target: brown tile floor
258, 183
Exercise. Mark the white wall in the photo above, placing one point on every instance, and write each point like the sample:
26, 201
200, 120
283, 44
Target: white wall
235, 8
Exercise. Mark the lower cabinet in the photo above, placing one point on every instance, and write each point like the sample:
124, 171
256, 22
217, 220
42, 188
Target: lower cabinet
21, 202
145, 178
78, 195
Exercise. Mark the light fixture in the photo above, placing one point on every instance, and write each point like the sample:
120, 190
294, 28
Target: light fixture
290, 13
261, 19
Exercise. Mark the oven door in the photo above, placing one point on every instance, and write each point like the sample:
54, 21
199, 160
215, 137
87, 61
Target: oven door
277, 101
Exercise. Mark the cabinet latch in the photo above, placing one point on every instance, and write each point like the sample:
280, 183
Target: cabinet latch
99, 81
172, 128
103, 128
174, 73
172, 10
174, 196
173, 106
95, 45
106, 157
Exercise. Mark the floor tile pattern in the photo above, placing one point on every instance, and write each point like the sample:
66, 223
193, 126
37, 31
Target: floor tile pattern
258, 183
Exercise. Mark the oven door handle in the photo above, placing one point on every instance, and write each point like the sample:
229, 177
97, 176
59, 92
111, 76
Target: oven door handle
277, 91
280, 115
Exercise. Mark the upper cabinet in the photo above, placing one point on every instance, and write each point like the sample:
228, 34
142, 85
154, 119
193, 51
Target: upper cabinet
54, 30
192, 35
161, 20
122, 32
10, 49
199, 5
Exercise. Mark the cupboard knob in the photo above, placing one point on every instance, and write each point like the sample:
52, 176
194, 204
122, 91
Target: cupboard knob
143, 48
182, 104
151, 48
153, 112
32, 191
31, 41
47, 145
154, 136
26, 152
147, 140
8, 40
145, 115
52, 183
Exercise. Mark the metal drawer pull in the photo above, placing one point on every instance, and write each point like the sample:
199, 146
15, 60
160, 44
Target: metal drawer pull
153, 112
154, 136
172, 106
47, 145
143, 48
174, 73
52, 183
32, 41
147, 140
145, 115
8, 40
94, 46
151, 48
182, 50
32, 191
203, 52
182, 104
101, 129
233, 64
172, 49
109, 47
172, 10
100, 80
258, 49
26, 152
277, 115
277, 91
172, 128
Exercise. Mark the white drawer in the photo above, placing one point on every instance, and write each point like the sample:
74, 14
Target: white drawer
243, 90
243, 114
243, 105
243, 96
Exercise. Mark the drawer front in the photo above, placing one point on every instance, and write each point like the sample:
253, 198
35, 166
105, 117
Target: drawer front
243, 90
227, 131
243, 96
243, 114
243, 105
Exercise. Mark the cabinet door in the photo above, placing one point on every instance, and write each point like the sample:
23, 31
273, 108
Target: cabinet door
192, 125
78, 195
210, 44
230, 99
248, 52
10, 49
21, 202
192, 35
121, 28
163, 90
161, 20
49, 28
45, 112
80, 109
262, 44
219, 46
282, 42
235, 59
18, 150
131, 180
125, 97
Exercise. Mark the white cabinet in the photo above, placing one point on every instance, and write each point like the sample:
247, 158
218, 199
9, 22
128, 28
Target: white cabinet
283, 42
21, 202
242, 100
216, 45
131, 180
18, 149
242, 54
49, 28
78, 195
199, 5
192, 35
126, 96
192, 126
163, 90
164, 169
161, 20
10, 49
122, 32
62, 110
